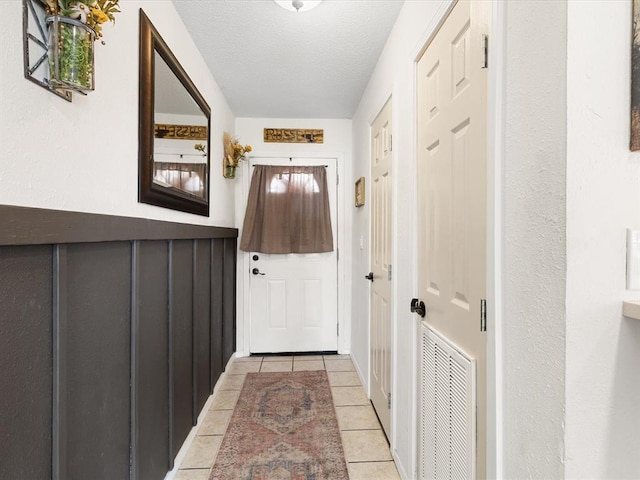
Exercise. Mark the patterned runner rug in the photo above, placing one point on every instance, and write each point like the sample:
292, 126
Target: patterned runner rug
284, 426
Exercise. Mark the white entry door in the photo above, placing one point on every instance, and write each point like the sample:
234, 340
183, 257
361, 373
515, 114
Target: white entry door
294, 297
452, 151
381, 272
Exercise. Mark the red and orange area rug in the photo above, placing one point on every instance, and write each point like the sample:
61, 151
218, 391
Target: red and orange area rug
284, 426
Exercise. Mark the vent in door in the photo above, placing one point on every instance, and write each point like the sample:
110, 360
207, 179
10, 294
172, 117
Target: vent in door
447, 410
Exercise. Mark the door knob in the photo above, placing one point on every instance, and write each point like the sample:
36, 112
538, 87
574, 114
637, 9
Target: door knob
256, 271
418, 306
369, 277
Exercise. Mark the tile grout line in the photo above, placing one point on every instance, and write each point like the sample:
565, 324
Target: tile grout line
360, 429
373, 461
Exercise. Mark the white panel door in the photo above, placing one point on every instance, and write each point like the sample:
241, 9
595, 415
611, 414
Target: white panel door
294, 297
452, 118
380, 324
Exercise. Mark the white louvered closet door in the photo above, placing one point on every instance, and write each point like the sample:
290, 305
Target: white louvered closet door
447, 412
452, 196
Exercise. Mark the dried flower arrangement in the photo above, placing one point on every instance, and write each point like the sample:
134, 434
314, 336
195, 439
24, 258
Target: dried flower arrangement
234, 153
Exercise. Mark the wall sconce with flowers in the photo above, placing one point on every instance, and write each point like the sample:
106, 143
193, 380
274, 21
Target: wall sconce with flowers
234, 153
59, 38
74, 27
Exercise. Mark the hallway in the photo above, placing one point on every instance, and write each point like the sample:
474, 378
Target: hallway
365, 446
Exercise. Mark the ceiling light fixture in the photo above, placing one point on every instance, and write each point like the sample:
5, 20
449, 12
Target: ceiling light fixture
298, 5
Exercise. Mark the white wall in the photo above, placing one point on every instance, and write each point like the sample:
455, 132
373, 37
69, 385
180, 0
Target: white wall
337, 144
603, 200
534, 253
83, 156
392, 77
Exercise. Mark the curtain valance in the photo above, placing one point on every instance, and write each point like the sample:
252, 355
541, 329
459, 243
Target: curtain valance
287, 211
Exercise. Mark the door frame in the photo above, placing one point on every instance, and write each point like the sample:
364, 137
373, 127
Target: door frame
243, 179
495, 224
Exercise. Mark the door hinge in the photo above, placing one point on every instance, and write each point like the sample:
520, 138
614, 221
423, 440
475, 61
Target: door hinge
485, 51
338, 254
391, 143
389, 273
389, 400
338, 329
337, 179
483, 315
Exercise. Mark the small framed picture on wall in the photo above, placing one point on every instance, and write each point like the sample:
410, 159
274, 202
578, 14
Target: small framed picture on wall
360, 192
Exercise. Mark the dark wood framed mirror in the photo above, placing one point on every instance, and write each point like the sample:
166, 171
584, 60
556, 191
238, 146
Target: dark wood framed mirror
174, 130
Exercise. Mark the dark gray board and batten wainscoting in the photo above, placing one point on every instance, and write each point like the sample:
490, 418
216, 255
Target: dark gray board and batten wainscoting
113, 332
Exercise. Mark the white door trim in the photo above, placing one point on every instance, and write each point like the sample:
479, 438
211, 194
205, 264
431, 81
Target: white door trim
495, 228
243, 274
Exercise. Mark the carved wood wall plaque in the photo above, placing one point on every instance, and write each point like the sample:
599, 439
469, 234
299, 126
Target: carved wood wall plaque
180, 132
293, 135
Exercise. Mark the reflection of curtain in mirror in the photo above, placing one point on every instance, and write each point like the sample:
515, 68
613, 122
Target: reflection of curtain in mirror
287, 211
188, 177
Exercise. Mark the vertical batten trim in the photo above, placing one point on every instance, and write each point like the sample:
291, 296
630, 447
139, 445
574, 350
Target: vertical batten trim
135, 307
234, 284
210, 316
212, 380
194, 334
170, 346
59, 413
223, 306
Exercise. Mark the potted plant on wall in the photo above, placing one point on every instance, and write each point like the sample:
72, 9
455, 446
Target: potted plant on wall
74, 27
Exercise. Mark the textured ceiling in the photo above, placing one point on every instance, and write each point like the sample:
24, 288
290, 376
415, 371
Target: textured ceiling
270, 62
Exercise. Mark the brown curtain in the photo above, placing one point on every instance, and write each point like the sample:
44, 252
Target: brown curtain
188, 177
287, 211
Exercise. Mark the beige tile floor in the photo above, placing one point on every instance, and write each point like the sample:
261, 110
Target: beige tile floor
365, 446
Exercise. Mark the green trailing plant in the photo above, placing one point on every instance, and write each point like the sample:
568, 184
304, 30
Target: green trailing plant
75, 56
71, 55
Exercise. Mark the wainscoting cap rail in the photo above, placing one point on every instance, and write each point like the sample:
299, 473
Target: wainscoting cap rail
38, 226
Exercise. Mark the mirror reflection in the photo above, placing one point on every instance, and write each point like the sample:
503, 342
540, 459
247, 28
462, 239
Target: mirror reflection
180, 131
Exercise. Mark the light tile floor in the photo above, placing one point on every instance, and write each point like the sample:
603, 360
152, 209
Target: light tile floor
365, 446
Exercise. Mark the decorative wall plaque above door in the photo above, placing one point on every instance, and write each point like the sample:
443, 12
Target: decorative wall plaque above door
293, 135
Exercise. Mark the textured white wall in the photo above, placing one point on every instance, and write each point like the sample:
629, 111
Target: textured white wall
534, 225
603, 200
392, 77
83, 156
337, 142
